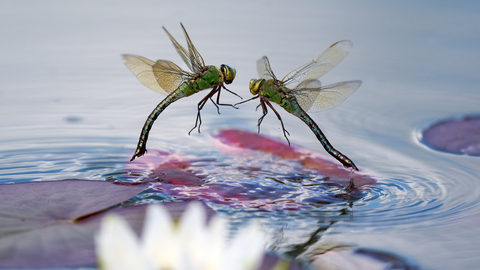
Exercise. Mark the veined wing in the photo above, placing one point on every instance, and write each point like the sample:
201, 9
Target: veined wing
314, 98
162, 76
321, 64
264, 70
192, 58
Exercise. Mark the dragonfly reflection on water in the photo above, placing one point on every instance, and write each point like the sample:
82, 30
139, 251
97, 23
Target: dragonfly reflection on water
166, 78
305, 92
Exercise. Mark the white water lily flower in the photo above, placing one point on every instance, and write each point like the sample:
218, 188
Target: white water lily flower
192, 244
117, 246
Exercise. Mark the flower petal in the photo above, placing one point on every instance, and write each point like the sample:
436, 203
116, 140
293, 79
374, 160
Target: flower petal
159, 239
246, 249
193, 234
118, 247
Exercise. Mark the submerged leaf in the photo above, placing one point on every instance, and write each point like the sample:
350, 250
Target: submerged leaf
333, 172
52, 223
253, 141
262, 173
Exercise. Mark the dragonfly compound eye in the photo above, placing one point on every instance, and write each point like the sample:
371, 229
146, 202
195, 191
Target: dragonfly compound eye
255, 85
228, 73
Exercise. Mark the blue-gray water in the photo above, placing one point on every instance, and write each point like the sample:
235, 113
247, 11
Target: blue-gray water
70, 109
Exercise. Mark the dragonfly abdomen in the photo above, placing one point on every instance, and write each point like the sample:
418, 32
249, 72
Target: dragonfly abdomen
142, 142
291, 105
300, 113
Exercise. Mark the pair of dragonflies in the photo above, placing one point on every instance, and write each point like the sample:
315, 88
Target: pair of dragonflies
299, 91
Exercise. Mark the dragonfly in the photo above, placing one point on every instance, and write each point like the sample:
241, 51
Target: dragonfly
166, 78
301, 91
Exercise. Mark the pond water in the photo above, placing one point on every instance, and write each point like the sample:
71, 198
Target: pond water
70, 109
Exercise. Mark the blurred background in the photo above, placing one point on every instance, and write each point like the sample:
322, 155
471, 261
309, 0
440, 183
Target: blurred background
69, 108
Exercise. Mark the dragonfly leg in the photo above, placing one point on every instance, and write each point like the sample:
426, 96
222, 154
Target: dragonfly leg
222, 104
265, 112
215, 90
198, 121
285, 132
231, 92
255, 97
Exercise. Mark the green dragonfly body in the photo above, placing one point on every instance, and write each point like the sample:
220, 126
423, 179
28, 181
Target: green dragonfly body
308, 94
167, 78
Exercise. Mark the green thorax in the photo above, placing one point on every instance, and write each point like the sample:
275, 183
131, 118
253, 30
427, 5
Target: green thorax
209, 78
276, 92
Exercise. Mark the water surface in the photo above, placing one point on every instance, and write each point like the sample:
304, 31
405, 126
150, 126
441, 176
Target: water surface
70, 109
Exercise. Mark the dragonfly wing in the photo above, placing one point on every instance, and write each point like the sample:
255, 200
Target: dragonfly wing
195, 58
264, 70
162, 76
191, 57
321, 64
326, 97
306, 93
169, 76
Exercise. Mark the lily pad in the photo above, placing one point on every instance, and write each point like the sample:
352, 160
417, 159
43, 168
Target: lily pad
175, 173
458, 136
253, 141
333, 172
52, 223
272, 262
262, 174
361, 259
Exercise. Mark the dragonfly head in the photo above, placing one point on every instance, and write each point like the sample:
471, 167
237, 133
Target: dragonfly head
255, 85
228, 73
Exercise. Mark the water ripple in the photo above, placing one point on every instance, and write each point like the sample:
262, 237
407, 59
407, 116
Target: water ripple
413, 194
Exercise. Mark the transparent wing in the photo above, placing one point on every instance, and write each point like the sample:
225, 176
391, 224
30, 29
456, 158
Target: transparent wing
195, 58
320, 65
264, 70
306, 93
162, 76
314, 98
192, 57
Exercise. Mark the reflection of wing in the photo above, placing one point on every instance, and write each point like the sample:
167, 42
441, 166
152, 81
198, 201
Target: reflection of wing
314, 98
321, 64
192, 58
162, 76
264, 70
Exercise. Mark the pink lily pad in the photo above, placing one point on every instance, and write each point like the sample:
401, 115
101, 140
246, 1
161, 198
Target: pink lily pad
248, 184
458, 136
253, 141
333, 172
175, 173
